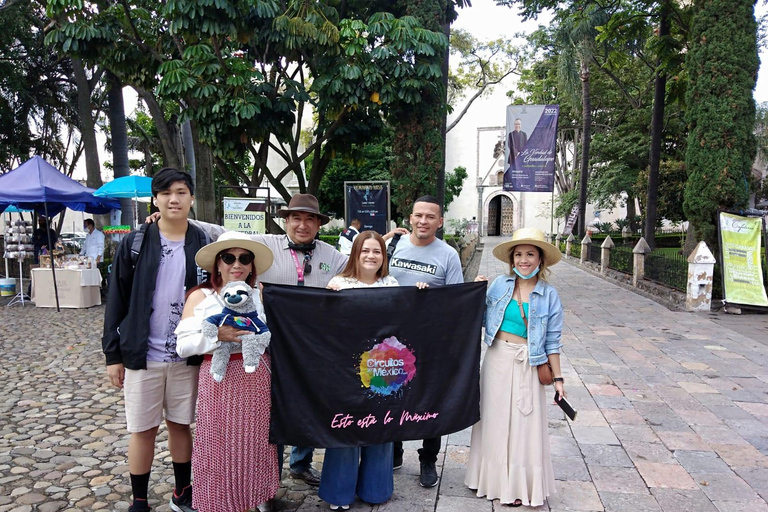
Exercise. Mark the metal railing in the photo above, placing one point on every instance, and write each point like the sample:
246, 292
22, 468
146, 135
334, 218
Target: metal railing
621, 259
669, 269
594, 253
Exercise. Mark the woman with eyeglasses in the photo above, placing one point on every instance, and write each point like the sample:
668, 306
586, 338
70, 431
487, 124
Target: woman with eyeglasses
234, 465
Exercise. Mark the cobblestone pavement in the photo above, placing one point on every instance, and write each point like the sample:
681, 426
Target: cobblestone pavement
673, 414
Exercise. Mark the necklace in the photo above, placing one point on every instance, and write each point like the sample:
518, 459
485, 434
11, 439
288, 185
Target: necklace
519, 290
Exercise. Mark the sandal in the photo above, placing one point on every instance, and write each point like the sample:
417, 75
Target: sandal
516, 503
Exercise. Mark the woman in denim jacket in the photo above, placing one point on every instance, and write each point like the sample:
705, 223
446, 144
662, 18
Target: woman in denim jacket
509, 455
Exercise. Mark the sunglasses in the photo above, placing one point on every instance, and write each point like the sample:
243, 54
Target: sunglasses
229, 258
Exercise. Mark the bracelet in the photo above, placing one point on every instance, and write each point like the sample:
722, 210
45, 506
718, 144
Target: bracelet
558, 379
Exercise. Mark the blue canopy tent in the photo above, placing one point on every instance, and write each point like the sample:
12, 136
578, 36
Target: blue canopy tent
39, 186
127, 187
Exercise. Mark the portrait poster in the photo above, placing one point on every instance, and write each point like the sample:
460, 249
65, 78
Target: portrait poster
245, 215
740, 242
404, 366
530, 148
369, 203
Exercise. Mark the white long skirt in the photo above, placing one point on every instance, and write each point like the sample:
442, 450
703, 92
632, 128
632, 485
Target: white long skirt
509, 456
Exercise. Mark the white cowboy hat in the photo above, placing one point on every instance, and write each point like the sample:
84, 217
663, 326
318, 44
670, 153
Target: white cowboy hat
263, 257
528, 236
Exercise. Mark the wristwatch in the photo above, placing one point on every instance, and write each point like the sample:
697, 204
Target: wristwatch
558, 379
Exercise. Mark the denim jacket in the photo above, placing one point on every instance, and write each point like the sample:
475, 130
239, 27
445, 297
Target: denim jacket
545, 316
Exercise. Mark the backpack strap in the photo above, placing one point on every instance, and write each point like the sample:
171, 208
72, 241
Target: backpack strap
138, 242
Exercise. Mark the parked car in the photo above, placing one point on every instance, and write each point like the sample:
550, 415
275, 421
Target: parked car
72, 241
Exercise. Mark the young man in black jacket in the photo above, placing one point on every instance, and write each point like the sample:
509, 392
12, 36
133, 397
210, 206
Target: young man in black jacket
151, 272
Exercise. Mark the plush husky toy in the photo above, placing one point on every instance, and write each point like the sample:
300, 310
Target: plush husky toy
240, 313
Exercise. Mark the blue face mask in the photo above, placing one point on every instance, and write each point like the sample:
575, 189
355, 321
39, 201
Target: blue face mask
529, 276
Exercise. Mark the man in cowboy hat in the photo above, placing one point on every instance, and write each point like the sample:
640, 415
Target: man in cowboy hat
300, 260
422, 257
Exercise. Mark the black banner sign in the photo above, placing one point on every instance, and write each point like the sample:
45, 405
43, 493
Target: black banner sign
368, 202
368, 366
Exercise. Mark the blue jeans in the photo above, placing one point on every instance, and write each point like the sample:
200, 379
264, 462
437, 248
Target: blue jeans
365, 471
301, 459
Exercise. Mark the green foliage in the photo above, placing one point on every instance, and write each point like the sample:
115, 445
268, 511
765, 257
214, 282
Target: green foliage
369, 162
37, 99
372, 162
330, 239
454, 181
722, 65
672, 182
247, 73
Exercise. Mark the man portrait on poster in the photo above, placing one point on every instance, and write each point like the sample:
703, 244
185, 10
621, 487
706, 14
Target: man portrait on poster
517, 139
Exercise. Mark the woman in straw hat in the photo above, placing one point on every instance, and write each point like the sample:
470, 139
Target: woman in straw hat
509, 455
234, 465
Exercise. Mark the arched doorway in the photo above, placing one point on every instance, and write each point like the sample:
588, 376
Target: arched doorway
500, 216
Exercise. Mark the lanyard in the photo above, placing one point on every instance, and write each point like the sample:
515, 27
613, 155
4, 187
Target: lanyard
299, 268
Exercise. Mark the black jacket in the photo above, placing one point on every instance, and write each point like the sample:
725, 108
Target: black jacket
129, 302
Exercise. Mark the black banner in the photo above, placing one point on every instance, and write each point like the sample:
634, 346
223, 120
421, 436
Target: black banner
368, 202
368, 366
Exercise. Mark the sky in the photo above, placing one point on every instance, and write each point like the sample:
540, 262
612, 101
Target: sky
485, 20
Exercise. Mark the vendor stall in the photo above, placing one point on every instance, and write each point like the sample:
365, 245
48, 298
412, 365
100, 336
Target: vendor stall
37, 185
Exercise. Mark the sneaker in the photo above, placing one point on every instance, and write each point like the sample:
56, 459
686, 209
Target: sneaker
183, 502
311, 476
139, 506
339, 507
397, 461
428, 476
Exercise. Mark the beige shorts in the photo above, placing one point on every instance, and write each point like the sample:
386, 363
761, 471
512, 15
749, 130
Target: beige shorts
162, 387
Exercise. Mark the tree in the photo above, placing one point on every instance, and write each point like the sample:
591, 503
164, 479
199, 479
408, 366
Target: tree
38, 105
372, 162
419, 144
481, 65
722, 65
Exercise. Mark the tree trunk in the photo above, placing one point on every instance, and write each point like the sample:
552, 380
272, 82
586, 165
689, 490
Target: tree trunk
657, 126
631, 213
444, 68
205, 191
119, 141
188, 143
87, 126
585, 141
165, 133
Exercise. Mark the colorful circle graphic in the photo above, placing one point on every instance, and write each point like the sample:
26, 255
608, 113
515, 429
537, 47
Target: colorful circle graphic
387, 367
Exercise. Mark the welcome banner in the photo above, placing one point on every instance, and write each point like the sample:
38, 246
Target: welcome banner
368, 366
530, 148
248, 216
740, 239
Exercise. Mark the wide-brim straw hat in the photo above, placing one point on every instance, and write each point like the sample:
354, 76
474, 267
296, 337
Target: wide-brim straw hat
528, 236
304, 203
263, 257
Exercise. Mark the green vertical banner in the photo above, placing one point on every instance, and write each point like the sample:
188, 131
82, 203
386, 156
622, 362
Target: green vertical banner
740, 239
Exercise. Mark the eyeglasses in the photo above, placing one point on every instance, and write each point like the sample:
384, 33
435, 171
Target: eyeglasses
229, 258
